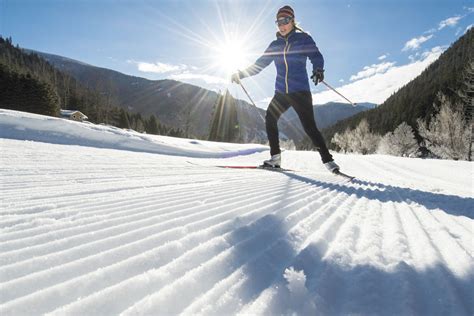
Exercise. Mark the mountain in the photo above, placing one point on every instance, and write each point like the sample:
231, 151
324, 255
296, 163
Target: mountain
185, 106
330, 113
415, 100
31, 84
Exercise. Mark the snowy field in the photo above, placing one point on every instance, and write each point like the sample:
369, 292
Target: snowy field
100, 221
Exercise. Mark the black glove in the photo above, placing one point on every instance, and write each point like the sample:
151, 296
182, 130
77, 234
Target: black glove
318, 76
235, 78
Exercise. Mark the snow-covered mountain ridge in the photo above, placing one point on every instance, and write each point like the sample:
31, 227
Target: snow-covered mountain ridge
100, 221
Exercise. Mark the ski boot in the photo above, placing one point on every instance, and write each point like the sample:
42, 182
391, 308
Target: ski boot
332, 166
273, 162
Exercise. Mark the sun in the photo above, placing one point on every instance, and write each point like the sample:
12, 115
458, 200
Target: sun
231, 55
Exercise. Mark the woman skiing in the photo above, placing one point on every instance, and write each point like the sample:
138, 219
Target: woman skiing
290, 51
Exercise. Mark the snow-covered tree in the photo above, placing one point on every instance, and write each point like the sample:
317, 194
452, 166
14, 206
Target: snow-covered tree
400, 142
360, 140
447, 134
288, 144
341, 141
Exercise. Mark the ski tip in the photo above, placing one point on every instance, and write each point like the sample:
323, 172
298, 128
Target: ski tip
342, 174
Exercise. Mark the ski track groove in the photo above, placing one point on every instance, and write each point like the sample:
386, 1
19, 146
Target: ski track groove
197, 280
62, 256
438, 277
320, 241
51, 203
436, 237
231, 294
94, 246
93, 210
155, 279
445, 233
454, 228
364, 286
116, 217
189, 245
39, 192
89, 207
118, 186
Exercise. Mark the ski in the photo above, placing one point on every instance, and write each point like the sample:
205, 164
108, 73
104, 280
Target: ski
342, 174
257, 167
279, 169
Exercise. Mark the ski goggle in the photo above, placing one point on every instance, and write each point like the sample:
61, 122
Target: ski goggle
284, 21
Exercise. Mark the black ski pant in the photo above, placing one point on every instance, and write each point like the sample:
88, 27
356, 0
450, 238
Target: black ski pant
302, 102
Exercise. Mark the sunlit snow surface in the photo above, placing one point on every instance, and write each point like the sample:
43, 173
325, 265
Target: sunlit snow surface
100, 221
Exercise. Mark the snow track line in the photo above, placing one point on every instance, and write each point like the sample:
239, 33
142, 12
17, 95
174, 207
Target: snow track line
395, 246
305, 190
89, 207
229, 295
438, 277
117, 187
457, 231
365, 287
441, 230
162, 188
437, 236
199, 277
117, 214
144, 228
316, 247
182, 263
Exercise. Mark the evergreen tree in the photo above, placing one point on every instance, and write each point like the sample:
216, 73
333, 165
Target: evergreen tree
466, 95
124, 122
25, 93
224, 124
152, 126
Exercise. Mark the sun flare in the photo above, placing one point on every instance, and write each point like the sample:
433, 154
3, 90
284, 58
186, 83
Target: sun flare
232, 56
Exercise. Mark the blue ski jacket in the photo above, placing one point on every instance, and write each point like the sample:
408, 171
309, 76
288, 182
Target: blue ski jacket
289, 54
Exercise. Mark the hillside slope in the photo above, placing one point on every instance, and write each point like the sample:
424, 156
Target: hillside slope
415, 100
175, 103
89, 231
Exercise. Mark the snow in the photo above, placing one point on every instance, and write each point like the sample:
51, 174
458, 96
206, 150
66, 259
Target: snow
96, 220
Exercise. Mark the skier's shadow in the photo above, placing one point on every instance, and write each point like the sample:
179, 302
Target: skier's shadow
264, 249
452, 204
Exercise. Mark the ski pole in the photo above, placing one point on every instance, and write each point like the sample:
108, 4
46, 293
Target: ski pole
353, 104
243, 88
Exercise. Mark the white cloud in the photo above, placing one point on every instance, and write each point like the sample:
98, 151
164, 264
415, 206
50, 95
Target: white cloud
452, 21
179, 72
379, 87
416, 42
371, 70
341, 80
208, 79
159, 68
384, 56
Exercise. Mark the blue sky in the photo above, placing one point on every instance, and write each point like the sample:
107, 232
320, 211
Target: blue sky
371, 47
